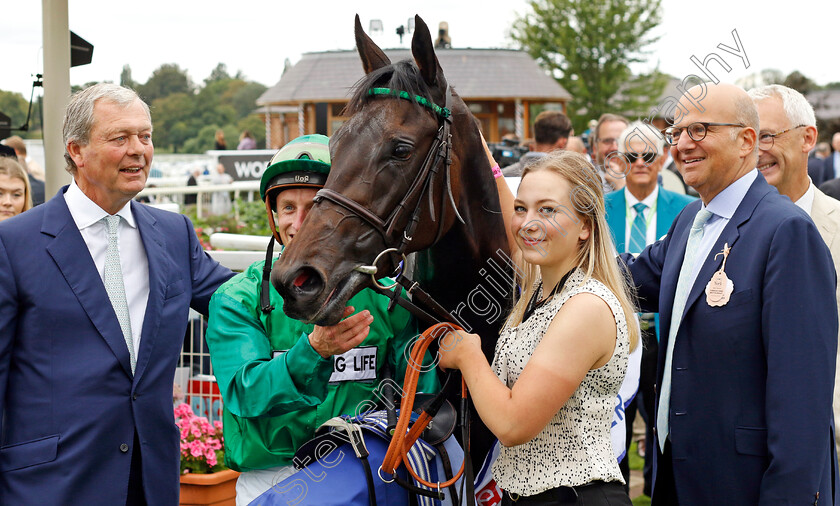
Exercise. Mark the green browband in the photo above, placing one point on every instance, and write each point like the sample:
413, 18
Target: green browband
443, 112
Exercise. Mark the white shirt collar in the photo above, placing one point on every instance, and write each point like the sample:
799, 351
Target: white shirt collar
727, 201
806, 202
86, 212
648, 201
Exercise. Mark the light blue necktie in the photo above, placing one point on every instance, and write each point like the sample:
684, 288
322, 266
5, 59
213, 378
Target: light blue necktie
683, 288
115, 285
638, 230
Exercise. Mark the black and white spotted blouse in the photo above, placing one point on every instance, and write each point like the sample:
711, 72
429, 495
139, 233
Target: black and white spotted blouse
574, 448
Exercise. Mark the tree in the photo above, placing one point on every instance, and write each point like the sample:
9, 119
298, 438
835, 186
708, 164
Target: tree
14, 106
588, 46
800, 82
166, 80
219, 73
125, 78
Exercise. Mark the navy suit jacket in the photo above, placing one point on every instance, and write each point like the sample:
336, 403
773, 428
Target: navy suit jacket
828, 168
818, 171
668, 206
70, 404
752, 381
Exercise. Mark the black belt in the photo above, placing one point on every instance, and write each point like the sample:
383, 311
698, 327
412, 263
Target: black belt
558, 494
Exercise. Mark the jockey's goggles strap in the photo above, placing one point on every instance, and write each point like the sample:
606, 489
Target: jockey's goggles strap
443, 112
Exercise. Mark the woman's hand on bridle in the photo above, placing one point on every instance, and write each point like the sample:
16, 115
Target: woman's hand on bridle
342, 336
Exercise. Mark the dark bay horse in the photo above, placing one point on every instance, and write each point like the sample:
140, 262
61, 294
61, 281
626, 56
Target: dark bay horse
373, 190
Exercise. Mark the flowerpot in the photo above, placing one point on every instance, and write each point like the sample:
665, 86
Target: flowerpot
215, 489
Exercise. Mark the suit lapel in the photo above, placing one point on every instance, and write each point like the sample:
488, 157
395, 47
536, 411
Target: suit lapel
71, 255
617, 218
665, 213
729, 236
825, 217
154, 243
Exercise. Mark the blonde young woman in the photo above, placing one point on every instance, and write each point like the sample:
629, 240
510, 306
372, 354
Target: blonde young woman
15, 195
563, 352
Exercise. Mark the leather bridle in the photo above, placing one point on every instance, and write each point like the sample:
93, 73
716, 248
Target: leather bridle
440, 153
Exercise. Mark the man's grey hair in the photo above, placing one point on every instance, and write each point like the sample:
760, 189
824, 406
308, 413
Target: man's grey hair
746, 114
797, 108
78, 118
641, 132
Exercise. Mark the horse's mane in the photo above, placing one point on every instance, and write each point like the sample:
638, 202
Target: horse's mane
400, 76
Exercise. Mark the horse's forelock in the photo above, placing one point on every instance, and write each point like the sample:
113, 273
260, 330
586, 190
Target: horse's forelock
401, 76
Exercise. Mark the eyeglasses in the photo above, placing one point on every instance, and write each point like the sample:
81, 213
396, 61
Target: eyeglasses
648, 157
766, 139
696, 131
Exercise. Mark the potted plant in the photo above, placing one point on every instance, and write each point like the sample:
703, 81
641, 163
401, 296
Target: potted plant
204, 478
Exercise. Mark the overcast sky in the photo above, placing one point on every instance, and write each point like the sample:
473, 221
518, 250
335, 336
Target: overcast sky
256, 36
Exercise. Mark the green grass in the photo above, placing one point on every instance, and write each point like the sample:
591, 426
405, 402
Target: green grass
636, 464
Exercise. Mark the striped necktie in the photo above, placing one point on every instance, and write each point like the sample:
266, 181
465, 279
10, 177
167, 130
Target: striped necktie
638, 231
680, 297
115, 285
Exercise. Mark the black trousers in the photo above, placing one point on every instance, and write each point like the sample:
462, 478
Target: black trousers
597, 493
136, 496
643, 403
665, 492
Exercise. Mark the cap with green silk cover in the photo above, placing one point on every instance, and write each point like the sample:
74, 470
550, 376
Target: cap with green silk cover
302, 163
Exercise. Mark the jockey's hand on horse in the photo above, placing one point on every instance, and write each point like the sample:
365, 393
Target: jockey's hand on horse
457, 346
344, 335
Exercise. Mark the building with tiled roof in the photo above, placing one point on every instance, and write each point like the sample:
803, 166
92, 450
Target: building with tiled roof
500, 86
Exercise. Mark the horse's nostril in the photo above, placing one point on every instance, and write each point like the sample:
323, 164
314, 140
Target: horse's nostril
307, 281
301, 279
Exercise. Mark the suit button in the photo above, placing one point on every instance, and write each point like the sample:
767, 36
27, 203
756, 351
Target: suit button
124, 448
134, 397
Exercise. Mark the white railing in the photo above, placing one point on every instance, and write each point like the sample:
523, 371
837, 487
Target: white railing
204, 192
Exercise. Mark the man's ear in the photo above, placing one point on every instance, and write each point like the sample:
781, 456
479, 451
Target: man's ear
749, 138
75, 152
809, 139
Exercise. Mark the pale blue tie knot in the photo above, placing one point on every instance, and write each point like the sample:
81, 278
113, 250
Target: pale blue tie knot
680, 297
115, 285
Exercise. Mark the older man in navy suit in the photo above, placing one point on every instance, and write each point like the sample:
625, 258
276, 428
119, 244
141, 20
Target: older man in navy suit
744, 285
94, 296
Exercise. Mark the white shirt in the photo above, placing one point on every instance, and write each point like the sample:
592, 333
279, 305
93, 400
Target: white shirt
133, 260
806, 202
649, 201
722, 207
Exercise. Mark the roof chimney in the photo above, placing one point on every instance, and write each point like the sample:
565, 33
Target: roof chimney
443, 41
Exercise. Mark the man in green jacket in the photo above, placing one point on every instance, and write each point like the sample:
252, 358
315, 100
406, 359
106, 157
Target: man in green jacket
280, 378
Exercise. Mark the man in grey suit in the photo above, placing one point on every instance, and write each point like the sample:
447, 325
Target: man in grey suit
788, 133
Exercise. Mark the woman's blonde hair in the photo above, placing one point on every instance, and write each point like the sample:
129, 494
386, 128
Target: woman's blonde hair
13, 169
596, 256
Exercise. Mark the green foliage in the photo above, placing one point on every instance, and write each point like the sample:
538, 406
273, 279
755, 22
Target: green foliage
166, 80
257, 128
252, 221
800, 82
125, 78
588, 47
14, 106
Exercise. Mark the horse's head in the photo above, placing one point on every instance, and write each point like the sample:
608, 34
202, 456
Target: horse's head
378, 180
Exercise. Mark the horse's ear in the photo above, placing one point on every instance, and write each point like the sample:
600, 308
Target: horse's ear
423, 51
372, 57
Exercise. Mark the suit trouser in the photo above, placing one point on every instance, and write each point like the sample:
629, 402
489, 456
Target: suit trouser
136, 496
664, 490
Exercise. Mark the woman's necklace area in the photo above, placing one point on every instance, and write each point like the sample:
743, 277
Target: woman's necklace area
534, 304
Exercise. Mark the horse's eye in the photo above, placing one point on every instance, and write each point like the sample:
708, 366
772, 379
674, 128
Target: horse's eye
402, 151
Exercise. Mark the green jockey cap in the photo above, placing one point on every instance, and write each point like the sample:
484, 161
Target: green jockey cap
302, 163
